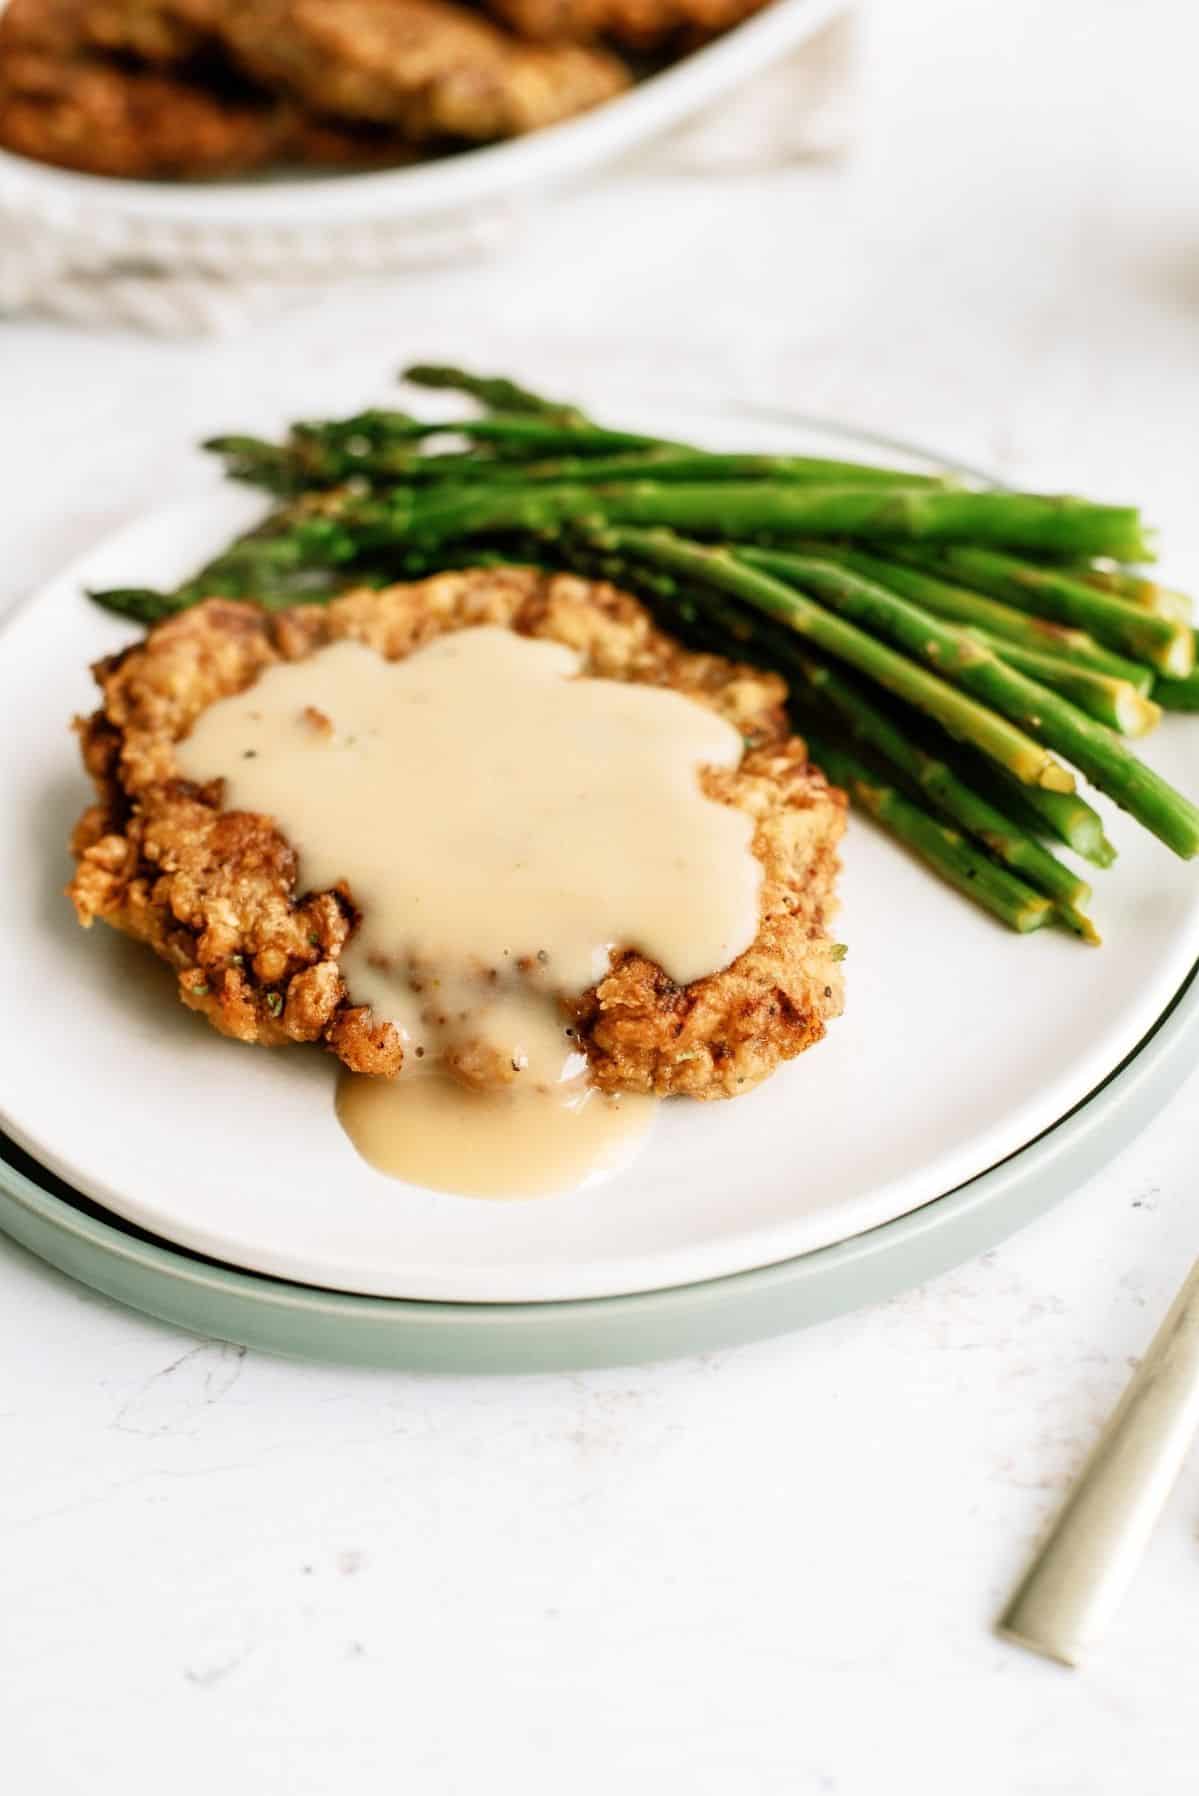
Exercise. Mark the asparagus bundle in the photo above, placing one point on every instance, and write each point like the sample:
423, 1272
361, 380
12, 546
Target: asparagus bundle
521, 427
1164, 643
1115, 702
949, 650
962, 605
945, 850
967, 661
315, 456
740, 510
1149, 594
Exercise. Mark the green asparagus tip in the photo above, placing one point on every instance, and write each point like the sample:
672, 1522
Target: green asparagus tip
1079, 924
496, 392
140, 603
233, 445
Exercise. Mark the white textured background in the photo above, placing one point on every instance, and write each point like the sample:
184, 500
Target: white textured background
765, 1571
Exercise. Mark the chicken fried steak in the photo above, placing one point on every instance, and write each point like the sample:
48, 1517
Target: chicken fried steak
62, 103
633, 24
429, 67
203, 88
215, 891
83, 113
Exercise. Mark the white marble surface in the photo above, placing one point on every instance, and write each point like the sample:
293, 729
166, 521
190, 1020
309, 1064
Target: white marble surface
766, 1571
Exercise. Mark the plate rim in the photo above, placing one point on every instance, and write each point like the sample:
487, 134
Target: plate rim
418, 1335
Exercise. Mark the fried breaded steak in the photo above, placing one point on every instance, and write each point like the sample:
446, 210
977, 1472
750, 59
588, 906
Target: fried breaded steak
429, 66
634, 24
64, 101
214, 892
153, 88
158, 31
137, 124
61, 104
134, 123
425, 69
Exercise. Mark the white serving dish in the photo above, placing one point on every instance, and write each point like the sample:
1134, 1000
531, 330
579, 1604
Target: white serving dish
297, 219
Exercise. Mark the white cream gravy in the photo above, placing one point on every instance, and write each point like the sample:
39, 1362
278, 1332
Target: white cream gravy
503, 822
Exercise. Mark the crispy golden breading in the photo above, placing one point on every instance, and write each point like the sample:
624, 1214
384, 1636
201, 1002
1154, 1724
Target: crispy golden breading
223, 87
214, 892
427, 66
634, 24
347, 143
102, 119
62, 103
722, 1035
159, 31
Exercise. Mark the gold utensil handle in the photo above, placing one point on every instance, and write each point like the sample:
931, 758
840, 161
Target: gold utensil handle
1074, 1584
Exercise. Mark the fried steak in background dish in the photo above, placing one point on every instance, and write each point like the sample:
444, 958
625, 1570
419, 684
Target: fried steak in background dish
214, 892
143, 125
204, 88
157, 31
637, 25
429, 67
83, 114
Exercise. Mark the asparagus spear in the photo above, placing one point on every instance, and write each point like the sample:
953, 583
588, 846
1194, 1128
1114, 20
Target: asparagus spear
295, 556
1065, 659
948, 792
1064, 815
1178, 695
140, 604
498, 394
690, 465
384, 446
494, 391
942, 848
1149, 594
968, 662
741, 509
1110, 701
543, 434
274, 592
1162, 642
964, 606
300, 465
273, 466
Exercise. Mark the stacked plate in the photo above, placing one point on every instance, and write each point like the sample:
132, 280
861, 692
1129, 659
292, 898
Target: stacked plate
973, 1080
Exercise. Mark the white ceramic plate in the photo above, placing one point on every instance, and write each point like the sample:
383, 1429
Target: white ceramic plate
960, 1044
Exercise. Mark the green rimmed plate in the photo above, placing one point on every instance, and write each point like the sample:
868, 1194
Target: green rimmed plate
959, 1048
210, 1299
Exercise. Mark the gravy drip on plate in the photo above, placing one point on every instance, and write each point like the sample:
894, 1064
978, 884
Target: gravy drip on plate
519, 1143
502, 822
